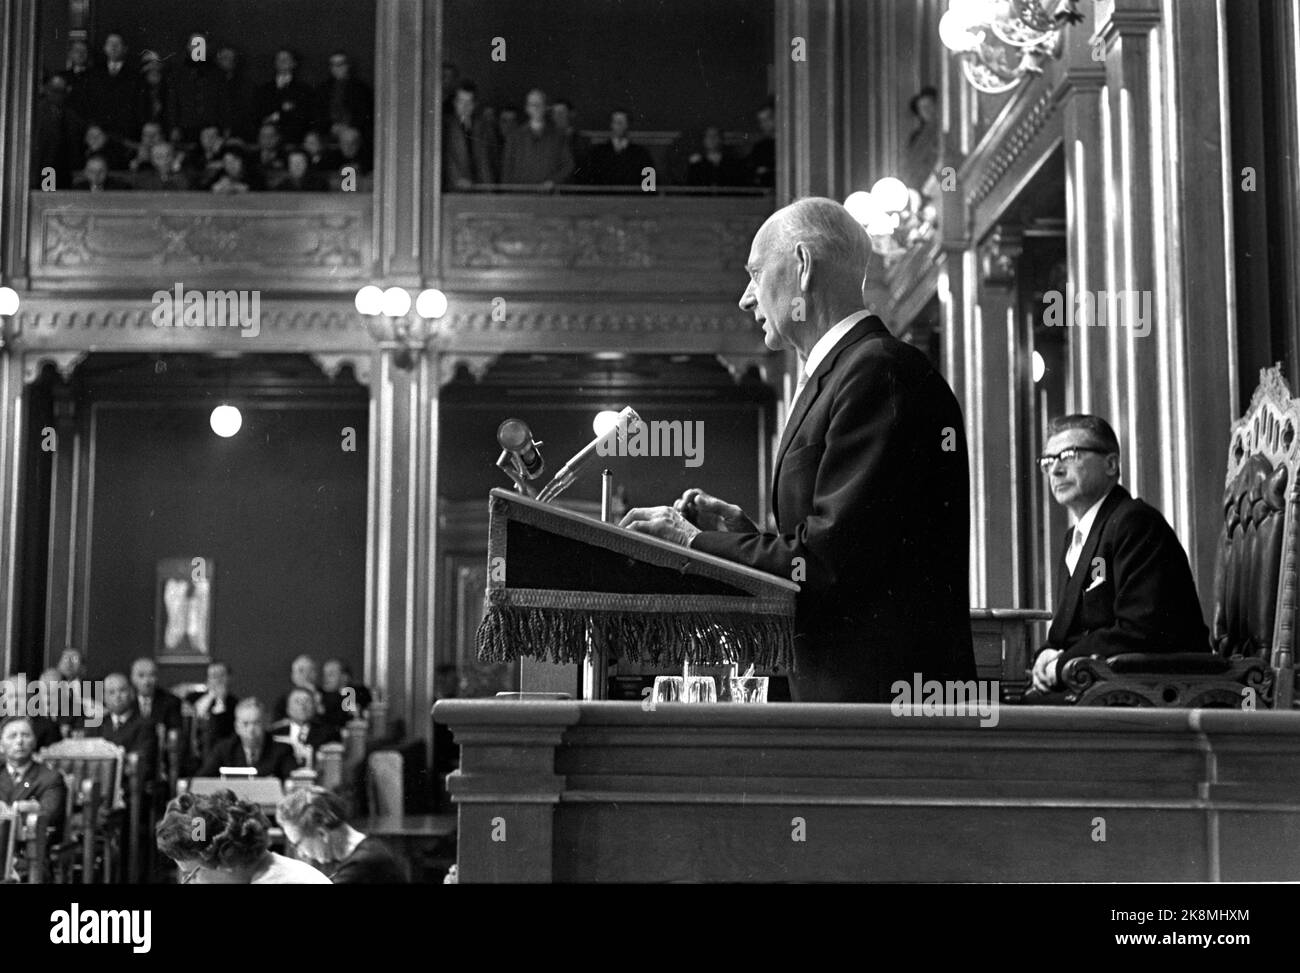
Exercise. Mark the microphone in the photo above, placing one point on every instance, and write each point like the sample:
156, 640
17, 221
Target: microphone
516, 438
628, 421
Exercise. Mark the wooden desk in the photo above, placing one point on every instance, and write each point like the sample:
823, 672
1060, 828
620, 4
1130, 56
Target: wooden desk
610, 792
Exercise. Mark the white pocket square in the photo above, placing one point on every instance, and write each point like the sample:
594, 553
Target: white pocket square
1096, 583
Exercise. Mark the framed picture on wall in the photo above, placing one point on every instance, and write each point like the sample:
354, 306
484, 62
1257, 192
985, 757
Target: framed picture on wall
183, 609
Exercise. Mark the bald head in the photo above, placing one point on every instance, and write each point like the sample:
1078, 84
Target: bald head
806, 265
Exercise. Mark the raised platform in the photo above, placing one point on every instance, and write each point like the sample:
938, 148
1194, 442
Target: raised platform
611, 792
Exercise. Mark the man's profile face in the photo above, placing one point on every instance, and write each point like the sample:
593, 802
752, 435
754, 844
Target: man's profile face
117, 695
144, 677
17, 742
1086, 479
249, 726
773, 286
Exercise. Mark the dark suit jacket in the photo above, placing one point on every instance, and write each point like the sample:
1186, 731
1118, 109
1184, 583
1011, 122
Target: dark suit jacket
276, 759
164, 708
609, 168
39, 783
872, 494
136, 735
1132, 589
466, 155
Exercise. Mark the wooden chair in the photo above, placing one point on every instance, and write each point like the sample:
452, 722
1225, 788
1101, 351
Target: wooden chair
1253, 636
100, 822
385, 787
24, 843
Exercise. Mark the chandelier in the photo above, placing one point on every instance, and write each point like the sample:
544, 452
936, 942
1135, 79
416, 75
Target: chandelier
896, 218
1001, 42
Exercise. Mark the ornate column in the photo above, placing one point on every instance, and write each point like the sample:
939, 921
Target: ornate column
11, 470
400, 122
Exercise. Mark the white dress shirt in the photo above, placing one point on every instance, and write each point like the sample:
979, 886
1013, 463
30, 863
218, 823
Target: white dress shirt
1082, 528
825, 345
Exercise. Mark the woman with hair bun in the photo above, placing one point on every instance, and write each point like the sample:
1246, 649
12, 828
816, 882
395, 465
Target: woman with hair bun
315, 822
217, 839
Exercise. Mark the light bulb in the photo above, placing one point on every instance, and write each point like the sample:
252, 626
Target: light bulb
396, 302
958, 33
8, 301
370, 300
1040, 367
891, 194
605, 421
432, 303
863, 207
225, 421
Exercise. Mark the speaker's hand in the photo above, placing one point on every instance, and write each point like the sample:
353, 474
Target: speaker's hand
665, 523
709, 513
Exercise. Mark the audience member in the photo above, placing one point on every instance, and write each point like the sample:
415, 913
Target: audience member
343, 101
205, 163
217, 839
235, 177
1124, 583
270, 160
466, 143
163, 174
77, 76
251, 746
299, 177
150, 135
762, 155
195, 92
315, 825
620, 161
154, 96
112, 90
214, 708
318, 160
235, 96
923, 144
124, 726
536, 153
97, 142
341, 698
713, 165
302, 728
303, 674
565, 120
23, 779
507, 123
285, 101
58, 134
352, 153
156, 705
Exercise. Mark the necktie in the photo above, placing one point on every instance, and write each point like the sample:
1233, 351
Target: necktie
144, 706
1075, 549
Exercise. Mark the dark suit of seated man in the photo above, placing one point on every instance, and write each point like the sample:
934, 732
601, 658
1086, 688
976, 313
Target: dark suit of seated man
158, 706
1124, 584
24, 779
123, 725
871, 499
302, 729
251, 746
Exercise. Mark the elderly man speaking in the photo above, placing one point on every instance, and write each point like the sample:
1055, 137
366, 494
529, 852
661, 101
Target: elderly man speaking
871, 498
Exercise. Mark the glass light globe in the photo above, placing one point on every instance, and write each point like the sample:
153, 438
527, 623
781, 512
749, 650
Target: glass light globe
225, 421
863, 207
8, 301
396, 303
891, 194
958, 33
370, 300
431, 303
1040, 367
604, 422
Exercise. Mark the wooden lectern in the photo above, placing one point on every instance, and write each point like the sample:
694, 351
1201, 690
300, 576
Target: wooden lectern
564, 589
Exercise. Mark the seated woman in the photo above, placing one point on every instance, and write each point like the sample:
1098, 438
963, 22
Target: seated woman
217, 839
314, 822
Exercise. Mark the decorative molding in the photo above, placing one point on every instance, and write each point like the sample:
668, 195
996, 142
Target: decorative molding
137, 316
331, 364
1010, 144
65, 361
478, 365
607, 321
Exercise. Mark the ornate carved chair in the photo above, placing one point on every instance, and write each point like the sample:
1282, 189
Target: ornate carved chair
100, 823
1255, 586
23, 843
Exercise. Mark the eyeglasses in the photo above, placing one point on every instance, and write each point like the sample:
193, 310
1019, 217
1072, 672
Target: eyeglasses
1069, 455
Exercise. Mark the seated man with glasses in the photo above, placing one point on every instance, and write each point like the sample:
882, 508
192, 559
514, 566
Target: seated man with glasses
1124, 584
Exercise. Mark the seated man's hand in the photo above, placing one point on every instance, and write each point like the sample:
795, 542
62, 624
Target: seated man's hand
665, 523
709, 513
1044, 674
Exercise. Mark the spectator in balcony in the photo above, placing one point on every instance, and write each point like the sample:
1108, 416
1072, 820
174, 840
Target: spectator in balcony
235, 177
205, 162
77, 76
620, 161
154, 98
318, 160
507, 120
923, 144
466, 143
234, 96
58, 134
761, 162
713, 165
352, 153
565, 120
195, 92
344, 101
150, 135
450, 78
95, 177
535, 153
299, 177
164, 173
98, 142
270, 154
113, 90
285, 101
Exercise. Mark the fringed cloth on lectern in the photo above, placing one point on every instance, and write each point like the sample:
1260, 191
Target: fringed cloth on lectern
559, 581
